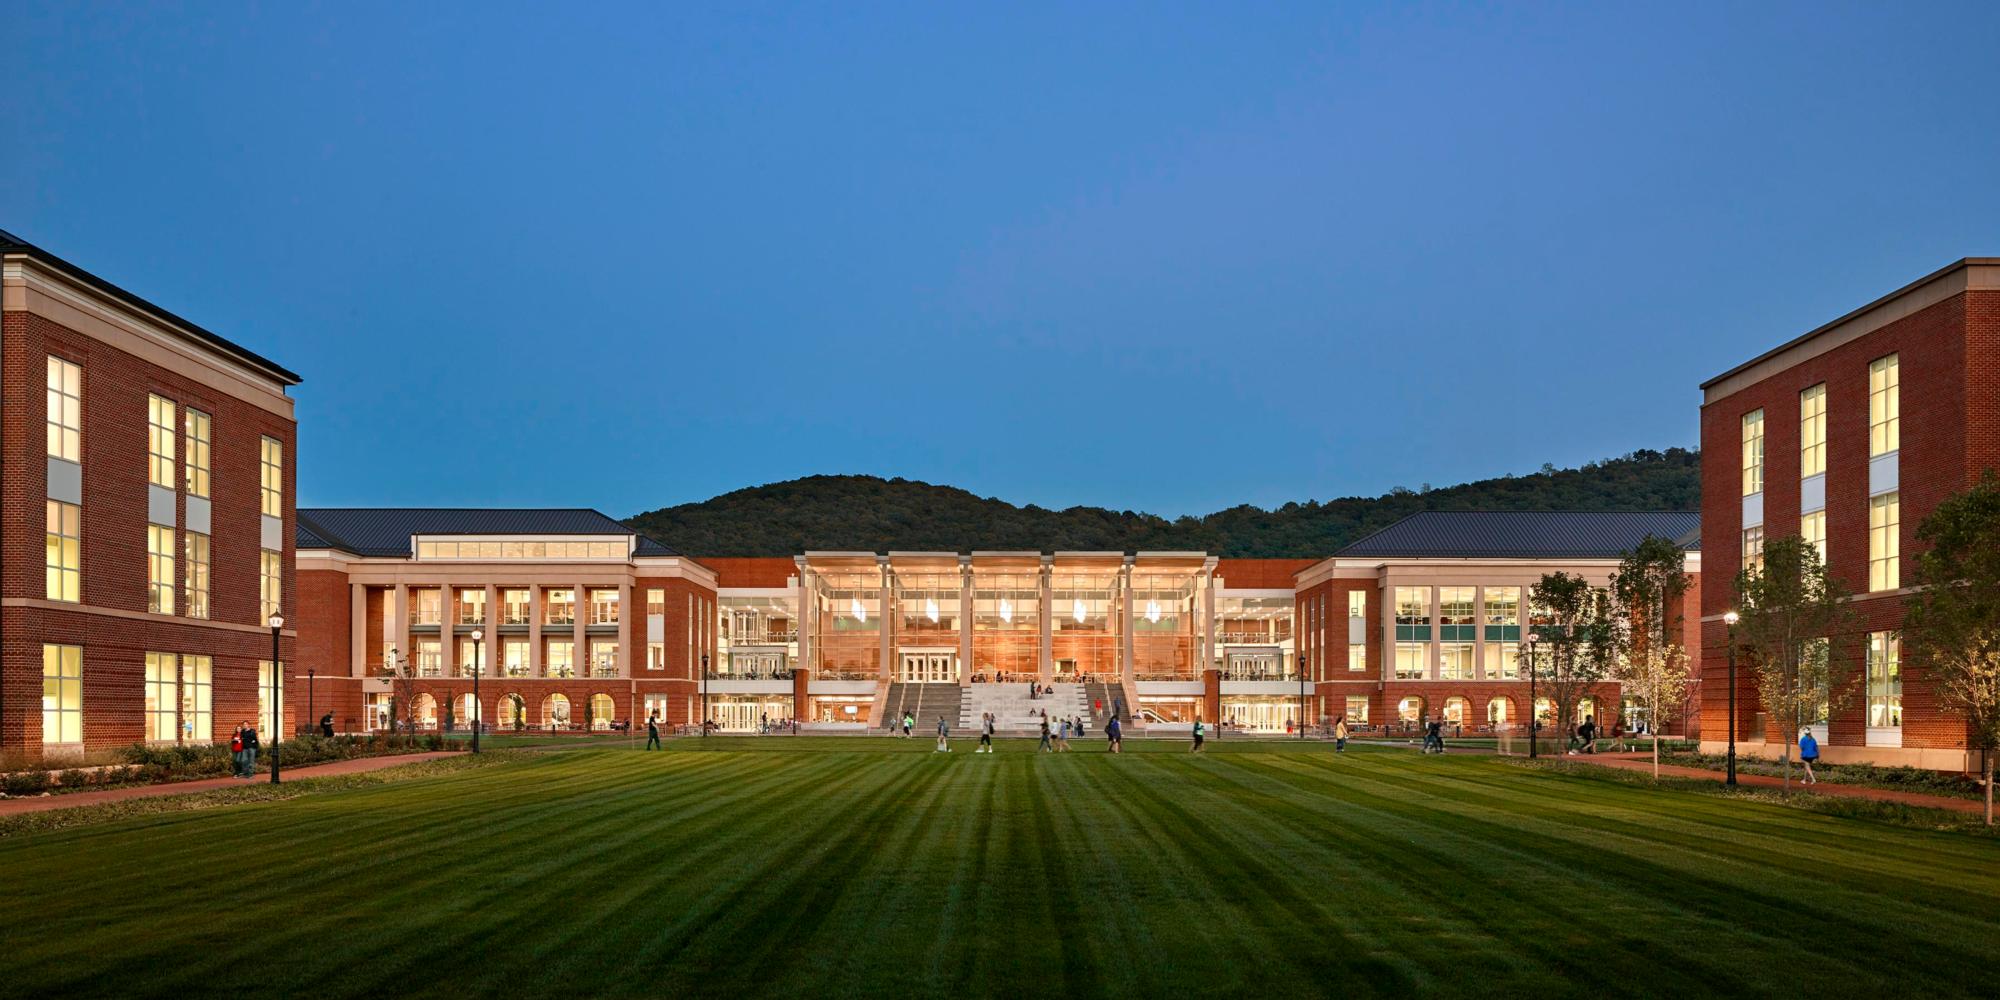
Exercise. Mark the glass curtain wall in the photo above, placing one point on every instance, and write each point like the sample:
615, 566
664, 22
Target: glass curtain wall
1006, 624
1254, 638
847, 638
1166, 608
759, 636
1086, 617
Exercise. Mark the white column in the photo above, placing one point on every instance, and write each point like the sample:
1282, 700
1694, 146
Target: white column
886, 617
1047, 658
1125, 645
357, 632
578, 631
399, 621
492, 627
802, 620
965, 596
534, 630
625, 593
447, 622
1207, 620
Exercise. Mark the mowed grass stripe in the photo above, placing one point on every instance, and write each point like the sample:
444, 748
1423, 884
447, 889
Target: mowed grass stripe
859, 867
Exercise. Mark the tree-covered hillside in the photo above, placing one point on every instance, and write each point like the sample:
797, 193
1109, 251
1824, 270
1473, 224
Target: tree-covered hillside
870, 514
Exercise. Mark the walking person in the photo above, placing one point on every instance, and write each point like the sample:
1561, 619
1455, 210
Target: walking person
652, 732
909, 723
985, 733
1808, 752
1435, 738
326, 725
250, 748
1045, 736
1340, 735
1114, 734
236, 754
1196, 748
944, 734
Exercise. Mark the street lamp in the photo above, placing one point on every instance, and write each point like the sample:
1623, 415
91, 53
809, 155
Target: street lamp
1730, 619
704, 694
1534, 717
311, 719
478, 707
277, 686
1304, 659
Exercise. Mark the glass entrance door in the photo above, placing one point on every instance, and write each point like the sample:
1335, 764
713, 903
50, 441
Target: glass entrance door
928, 668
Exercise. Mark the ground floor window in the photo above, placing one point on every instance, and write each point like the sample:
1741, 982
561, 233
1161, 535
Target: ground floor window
378, 713
426, 711
1455, 710
1410, 709
270, 700
656, 707
511, 712
1170, 709
1274, 714
162, 700
748, 713
1545, 712
1357, 709
197, 699
62, 694
555, 711
838, 709
468, 711
1885, 680
602, 712
1586, 709
1498, 710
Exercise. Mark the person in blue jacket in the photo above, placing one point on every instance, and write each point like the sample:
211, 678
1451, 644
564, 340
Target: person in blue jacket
1808, 752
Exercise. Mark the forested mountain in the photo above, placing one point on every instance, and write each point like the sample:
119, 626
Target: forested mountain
870, 514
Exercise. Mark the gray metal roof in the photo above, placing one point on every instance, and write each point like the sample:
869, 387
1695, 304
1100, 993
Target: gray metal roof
1526, 534
386, 531
9, 243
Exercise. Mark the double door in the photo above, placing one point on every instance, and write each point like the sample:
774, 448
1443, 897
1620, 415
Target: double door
928, 667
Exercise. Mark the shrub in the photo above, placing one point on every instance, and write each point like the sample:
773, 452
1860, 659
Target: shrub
26, 783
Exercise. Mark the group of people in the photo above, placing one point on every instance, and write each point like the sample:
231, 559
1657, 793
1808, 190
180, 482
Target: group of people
243, 747
1055, 735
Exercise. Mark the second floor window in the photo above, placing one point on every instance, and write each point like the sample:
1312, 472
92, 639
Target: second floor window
424, 607
472, 607
65, 552
604, 607
1884, 542
160, 570
198, 440
516, 607
160, 435
196, 574
562, 607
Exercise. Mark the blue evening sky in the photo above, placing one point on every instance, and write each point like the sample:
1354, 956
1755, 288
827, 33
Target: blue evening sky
1167, 258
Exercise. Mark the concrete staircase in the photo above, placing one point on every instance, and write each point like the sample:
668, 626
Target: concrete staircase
1015, 712
926, 702
1111, 696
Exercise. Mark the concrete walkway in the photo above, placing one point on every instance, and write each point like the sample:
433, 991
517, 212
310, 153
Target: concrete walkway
1644, 765
357, 765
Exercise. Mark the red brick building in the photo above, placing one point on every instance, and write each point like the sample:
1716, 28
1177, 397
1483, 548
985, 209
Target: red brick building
1809, 439
570, 620
147, 467
1429, 617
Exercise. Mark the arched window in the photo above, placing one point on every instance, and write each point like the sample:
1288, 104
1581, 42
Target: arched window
602, 711
1544, 711
1410, 709
1497, 711
1455, 709
1586, 709
467, 711
511, 712
427, 711
555, 711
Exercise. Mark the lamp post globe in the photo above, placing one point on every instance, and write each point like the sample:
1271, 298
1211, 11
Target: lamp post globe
277, 686
478, 706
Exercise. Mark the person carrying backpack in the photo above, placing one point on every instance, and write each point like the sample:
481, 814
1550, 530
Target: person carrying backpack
652, 732
1115, 735
1808, 752
1340, 735
944, 733
985, 733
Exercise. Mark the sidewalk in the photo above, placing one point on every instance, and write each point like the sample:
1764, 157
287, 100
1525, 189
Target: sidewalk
358, 765
1644, 765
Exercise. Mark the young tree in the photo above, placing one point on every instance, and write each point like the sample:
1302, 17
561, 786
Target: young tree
1573, 620
1651, 662
1789, 608
402, 690
1952, 624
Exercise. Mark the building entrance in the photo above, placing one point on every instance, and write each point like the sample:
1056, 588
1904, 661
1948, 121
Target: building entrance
928, 667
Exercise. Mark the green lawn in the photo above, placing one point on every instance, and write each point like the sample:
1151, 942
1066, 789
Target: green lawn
805, 867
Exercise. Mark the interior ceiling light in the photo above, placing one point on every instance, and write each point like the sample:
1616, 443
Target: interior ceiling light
854, 605
1076, 609
931, 609
1153, 612
1007, 611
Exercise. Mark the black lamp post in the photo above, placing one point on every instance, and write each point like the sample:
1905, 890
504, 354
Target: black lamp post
277, 696
1534, 717
478, 707
1730, 619
311, 719
704, 694
1304, 659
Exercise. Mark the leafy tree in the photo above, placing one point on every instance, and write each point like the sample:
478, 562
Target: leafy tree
402, 689
1573, 619
1789, 608
1652, 663
1952, 626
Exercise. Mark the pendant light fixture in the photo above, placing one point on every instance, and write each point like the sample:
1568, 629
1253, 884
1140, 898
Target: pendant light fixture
854, 605
1076, 608
1007, 611
931, 609
1152, 611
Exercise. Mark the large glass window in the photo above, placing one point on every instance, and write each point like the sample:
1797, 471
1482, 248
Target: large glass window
426, 607
1885, 680
1812, 431
472, 658
1753, 548
1357, 604
1503, 661
160, 435
604, 607
270, 692
561, 604
1503, 605
472, 606
270, 581
1455, 605
1410, 660
195, 576
1357, 709
560, 658
197, 699
198, 428
162, 700
1812, 528
1753, 452
656, 601
62, 694
1413, 613
272, 462
65, 401
1885, 406
160, 582
514, 657
1884, 543
65, 552
515, 607
604, 658
1357, 656
430, 658
1455, 661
